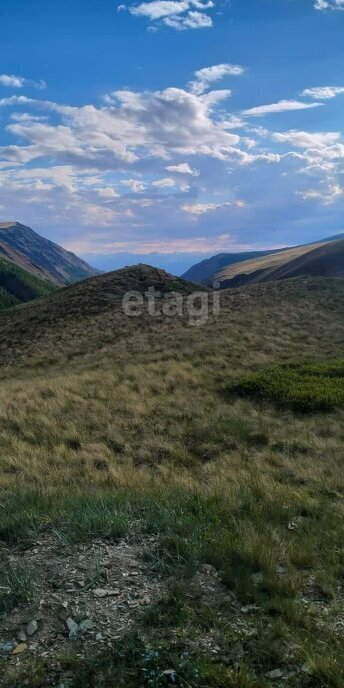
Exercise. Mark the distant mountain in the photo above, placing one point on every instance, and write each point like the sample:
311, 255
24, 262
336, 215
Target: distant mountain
205, 271
208, 270
325, 259
24, 247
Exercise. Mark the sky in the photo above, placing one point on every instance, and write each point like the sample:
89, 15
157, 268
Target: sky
168, 131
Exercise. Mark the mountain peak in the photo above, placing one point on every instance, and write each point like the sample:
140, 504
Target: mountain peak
9, 225
57, 265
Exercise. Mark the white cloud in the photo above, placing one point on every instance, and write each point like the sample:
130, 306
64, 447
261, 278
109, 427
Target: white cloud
281, 106
323, 92
183, 168
134, 126
13, 81
305, 139
176, 14
107, 192
329, 4
165, 183
193, 20
208, 75
159, 8
135, 185
328, 196
202, 208
90, 245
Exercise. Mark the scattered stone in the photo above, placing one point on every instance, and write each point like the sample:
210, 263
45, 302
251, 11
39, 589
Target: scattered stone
292, 526
22, 636
72, 627
32, 628
257, 577
99, 636
22, 647
6, 648
276, 673
249, 609
105, 592
86, 625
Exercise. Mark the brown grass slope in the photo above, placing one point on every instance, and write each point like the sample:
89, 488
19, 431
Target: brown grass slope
78, 313
322, 260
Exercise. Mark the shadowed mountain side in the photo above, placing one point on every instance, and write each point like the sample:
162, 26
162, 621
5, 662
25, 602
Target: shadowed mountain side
39, 255
325, 260
206, 270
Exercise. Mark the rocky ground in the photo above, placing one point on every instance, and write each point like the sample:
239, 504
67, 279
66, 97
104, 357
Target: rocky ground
81, 597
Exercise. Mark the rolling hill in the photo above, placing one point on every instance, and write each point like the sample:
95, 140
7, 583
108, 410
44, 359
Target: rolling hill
26, 248
207, 271
325, 259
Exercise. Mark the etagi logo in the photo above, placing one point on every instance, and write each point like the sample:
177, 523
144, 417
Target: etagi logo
196, 306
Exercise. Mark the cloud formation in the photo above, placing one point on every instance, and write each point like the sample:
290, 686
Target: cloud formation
13, 81
281, 106
323, 92
205, 77
176, 14
181, 154
329, 5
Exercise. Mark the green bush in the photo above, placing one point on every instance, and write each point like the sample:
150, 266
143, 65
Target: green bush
306, 387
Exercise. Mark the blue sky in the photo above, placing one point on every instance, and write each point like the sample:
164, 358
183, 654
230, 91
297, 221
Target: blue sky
169, 130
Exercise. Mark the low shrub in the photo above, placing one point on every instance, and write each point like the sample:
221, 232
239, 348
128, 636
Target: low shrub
306, 387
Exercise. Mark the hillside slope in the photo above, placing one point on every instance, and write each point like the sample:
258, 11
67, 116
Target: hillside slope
41, 255
86, 321
322, 260
19, 286
80, 314
205, 271
188, 524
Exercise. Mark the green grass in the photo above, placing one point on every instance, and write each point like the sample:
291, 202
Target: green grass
307, 387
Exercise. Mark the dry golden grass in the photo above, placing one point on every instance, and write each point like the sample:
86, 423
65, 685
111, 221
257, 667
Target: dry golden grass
128, 430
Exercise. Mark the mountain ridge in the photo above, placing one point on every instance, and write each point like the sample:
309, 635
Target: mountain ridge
208, 269
23, 246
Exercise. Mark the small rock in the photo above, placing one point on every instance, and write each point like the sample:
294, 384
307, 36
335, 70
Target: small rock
20, 649
86, 625
22, 636
292, 526
7, 647
257, 577
32, 628
249, 608
306, 669
72, 627
276, 673
105, 592
99, 636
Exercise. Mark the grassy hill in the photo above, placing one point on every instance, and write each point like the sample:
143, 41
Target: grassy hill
212, 269
322, 260
205, 271
131, 461
19, 286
